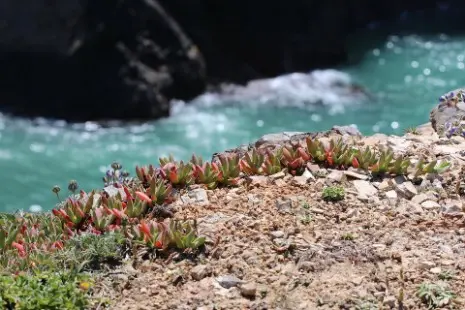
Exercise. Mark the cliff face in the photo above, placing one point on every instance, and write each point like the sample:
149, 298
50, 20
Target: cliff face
83, 60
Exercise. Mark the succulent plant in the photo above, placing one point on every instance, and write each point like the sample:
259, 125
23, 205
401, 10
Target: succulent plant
178, 174
433, 167
366, 159
184, 236
207, 174
252, 162
150, 234
146, 174
294, 158
159, 191
228, 170
272, 162
339, 154
316, 150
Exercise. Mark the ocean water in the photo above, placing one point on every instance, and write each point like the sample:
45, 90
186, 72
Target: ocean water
403, 73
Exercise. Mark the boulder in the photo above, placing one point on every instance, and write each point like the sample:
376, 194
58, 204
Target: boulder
94, 60
451, 109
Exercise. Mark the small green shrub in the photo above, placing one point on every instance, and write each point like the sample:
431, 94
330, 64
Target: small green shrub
333, 193
90, 251
44, 290
434, 295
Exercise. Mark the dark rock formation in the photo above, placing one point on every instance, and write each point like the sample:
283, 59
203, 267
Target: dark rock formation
87, 60
107, 59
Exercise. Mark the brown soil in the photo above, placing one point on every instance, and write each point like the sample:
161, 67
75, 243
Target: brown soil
287, 248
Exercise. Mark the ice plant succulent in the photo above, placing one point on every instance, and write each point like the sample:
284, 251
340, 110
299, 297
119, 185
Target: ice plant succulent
159, 191
340, 155
315, 149
252, 162
207, 174
228, 170
178, 174
434, 167
151, 234
74, 212
146, 174
272, 163
184, 236
294, 158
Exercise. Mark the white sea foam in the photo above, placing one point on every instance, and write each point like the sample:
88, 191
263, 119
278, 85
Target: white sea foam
331, 88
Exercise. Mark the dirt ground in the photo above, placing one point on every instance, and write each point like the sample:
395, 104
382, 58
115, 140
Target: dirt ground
276, 244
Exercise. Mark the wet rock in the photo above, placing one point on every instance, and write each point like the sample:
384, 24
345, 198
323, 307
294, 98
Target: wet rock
228, 281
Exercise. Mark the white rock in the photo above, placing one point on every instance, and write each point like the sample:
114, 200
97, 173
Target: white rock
385, 186
197, 196
364, 189
430, 205
278, 175
355, 175
420, 198
299, 180
308, 175
391, 194
335, 175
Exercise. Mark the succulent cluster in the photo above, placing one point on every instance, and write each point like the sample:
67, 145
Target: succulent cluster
133, 211
337, 155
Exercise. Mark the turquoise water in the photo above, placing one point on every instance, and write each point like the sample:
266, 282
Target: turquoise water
405, 73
